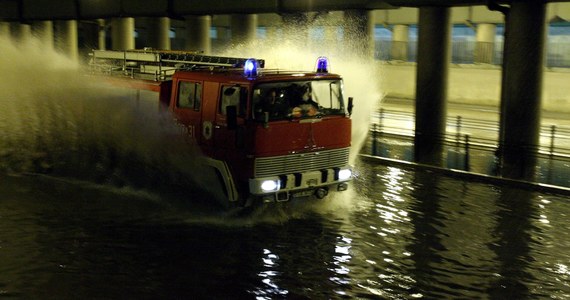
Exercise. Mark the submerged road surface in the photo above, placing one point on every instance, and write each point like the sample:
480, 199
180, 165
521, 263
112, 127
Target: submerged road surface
396, 234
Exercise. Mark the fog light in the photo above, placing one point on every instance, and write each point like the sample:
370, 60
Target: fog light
270, 185
344, 174
282, 196
268, 198
321, 193
342, 187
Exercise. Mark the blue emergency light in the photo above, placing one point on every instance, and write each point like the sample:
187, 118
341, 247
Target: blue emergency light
322, 65
250, 68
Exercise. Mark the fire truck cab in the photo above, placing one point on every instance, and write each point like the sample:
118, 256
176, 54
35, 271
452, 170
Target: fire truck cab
270, 135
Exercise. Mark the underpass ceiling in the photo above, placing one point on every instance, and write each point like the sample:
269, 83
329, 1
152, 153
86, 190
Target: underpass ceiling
32, 10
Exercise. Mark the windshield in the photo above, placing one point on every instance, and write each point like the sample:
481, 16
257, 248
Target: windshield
298, 99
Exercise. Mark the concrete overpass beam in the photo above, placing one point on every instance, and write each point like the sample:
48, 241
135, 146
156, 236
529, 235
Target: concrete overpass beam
525, 34
67, 38
485, 46
122, 34
159, 33
400, 38
433, 61
198, 33
243, 28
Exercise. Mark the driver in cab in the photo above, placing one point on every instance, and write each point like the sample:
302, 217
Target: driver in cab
305, 106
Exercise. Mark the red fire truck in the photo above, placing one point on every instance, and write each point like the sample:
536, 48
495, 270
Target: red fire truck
270, 135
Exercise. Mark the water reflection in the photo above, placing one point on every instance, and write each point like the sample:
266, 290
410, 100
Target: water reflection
513, 236
269, 277
341, 260
427, 219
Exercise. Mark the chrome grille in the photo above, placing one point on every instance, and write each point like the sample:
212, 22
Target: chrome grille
301, 162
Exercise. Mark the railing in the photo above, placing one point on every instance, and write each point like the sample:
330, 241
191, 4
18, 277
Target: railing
470, 144
157, 64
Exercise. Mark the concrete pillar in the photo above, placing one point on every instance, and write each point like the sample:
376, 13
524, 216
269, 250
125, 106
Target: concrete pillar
359, 32
295, 26
485, 43
101, 35
67, 38
400, 38
331, 35
271, 32
198, 33
433, 61
5, 29
521, 95
244, 28
22, 32
159, 33
90, 35
122, 34
43, 31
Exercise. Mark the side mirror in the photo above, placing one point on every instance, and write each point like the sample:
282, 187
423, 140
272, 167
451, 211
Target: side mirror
350, 105
231, 114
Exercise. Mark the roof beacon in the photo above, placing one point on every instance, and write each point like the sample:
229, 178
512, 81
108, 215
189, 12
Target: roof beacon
250, 68
322, 64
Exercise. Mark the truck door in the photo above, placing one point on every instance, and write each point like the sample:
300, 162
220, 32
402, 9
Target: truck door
210, 101
187, 106
230, 95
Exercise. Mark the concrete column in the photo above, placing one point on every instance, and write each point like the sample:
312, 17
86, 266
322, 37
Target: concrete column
122, 34
525, 33
359, 32
67, 38
43, 31
485, 43
5, 30
331, 36
101, 35
198, 33
90, 34
433, 61
271, 32
22, 32
159, 33
244, 28
400, 38
295, 26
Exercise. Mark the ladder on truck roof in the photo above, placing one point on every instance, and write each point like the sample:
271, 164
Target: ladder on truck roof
157, 65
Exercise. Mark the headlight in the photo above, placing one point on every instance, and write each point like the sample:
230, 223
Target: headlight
344, 174
270, 185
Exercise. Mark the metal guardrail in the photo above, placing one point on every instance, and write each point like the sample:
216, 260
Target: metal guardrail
470, 145
554, 140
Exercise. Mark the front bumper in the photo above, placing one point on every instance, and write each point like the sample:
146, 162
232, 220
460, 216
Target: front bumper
303, 184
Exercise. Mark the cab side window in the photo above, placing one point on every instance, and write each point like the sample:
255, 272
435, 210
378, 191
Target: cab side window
189, 95
234, 95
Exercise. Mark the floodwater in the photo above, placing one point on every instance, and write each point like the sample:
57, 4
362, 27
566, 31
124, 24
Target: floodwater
99, 198
397, 234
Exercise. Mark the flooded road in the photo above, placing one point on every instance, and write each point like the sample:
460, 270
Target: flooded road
118, 217
396, 234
